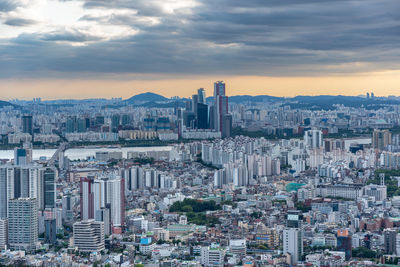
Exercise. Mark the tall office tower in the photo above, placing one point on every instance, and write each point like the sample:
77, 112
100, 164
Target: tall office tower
49, 187
50, 235
381, 139
220, 105
3, 233
82, 125
23, 224
89, 236
3, 193
226, 126
389, 241
27, 124
344, 242
293, 236
115, 121
202, 116
67, 208
367, 96
202, 96
195, 101
313, 138
86, 198
22, 156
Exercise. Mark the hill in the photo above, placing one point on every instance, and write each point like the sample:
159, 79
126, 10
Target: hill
147, 97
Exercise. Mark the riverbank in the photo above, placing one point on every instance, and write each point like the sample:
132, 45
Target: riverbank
118, 144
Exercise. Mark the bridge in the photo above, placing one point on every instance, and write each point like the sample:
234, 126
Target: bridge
60, 149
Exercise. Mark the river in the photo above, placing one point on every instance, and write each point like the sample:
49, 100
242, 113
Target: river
83, 153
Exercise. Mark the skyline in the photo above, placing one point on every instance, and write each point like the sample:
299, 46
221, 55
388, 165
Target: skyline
115, 48
84, 89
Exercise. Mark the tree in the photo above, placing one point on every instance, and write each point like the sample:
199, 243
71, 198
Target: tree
362, 252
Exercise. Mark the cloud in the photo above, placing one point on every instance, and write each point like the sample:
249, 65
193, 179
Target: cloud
227, 37
7, 5
19, 22
69, 36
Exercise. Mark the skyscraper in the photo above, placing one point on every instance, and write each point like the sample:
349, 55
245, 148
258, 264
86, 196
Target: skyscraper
220, 105
3, 193
97, 194
3, 233
86, 198
195, 101
389, 241
22, 156
202, 96
313, 138
23, 224
381, 139
226, 126
50, 235
27, 124
202, 116
67, 208
49, 179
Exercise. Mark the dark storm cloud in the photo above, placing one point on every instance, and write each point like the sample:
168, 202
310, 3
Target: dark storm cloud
260, 37
19, 22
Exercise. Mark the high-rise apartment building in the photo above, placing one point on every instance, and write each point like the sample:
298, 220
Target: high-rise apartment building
313, 138
23, 224
389, 241
293, 243
97, 194
20, 181
381, 139
3, 233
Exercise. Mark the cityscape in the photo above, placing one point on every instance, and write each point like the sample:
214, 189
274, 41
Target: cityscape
212, 181
198, 133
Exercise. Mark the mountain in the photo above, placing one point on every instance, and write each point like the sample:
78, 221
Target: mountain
328, 102
249, 98
147, 97
170, 104
5, 103
257, 98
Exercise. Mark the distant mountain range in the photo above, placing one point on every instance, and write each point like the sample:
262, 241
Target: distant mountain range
5, 103
321, 102
309, 102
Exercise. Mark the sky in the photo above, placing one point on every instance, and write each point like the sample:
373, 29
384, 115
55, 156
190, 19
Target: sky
119, 48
